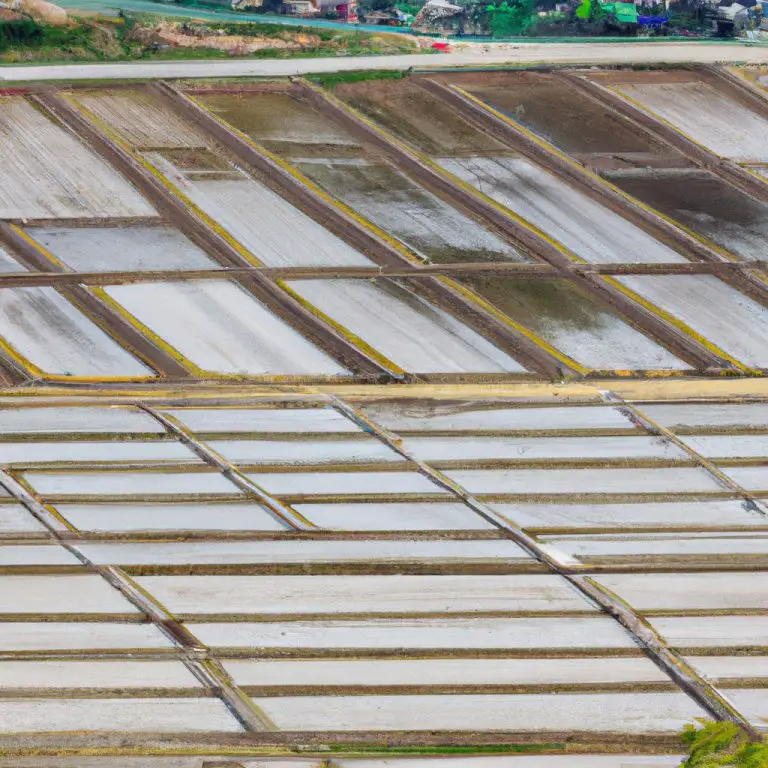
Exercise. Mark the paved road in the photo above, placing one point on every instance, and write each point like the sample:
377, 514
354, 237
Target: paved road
471, 55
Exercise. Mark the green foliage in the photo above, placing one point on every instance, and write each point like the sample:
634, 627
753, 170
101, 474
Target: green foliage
716, 745
596, 12
25, 33
21, 32
408, 8
374, 5
510, 19
583, 11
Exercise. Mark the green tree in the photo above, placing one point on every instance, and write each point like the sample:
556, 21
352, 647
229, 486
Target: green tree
509, 19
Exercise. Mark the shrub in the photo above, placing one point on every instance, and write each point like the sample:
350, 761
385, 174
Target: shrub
719, 745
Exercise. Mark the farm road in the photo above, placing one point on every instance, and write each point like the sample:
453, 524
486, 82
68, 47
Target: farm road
470, 55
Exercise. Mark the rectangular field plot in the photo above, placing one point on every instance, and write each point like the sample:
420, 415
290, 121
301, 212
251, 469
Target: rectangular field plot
454, 672
314, 421
752, 702
140, 118
147, 518
95, 675
729, 446
705, 115
220, 328
659, 515
413, 516
702, 417
138, 484
361, 450
404, 327
286, 595
472, 449
418, 117
129, 715
577, 634
651, 592
15, 519
666, 547
281, 122
713, 631
121, 249
584, 226
733, 321
345, 483
47, 173
274, 231
489, 416
750, 478
725, 668
72, 637
499, 552
71, 594
606, 712
584, 481
74, 420
560, 113
36, 555
574, 323
55, 338
703, 203
28, 452
396, 204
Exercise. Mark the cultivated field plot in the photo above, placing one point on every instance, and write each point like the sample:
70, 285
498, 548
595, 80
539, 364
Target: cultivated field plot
437, 229
382, 423
342, 569
580, 116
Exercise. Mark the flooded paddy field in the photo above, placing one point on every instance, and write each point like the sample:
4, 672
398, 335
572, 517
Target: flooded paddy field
419, 118
48, 173
219, 207
703, 113
269, 482
218, 327
355, 173
550, 106
392, 201
703, 203
139, 118
589, 230
402, 604
282, 123
714, 309
404, 327
121, 249
580, 327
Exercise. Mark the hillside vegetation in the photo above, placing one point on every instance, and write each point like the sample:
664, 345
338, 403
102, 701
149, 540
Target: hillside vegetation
153, 37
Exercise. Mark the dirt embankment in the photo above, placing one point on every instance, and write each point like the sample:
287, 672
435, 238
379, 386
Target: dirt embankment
45, 12
184, 36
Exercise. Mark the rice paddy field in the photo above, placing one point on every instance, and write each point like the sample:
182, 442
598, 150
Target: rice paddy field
405, 423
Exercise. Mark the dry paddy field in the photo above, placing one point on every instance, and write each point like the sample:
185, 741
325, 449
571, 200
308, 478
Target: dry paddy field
407, 423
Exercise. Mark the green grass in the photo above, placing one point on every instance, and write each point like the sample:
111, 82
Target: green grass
720, 745
330, 81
